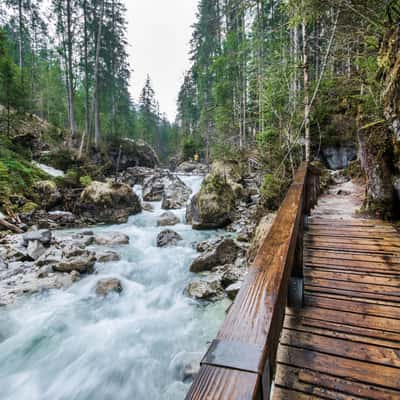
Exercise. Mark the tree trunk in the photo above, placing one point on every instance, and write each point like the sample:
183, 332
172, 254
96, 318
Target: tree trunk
20, 40
70, 75
306, 93
96, 80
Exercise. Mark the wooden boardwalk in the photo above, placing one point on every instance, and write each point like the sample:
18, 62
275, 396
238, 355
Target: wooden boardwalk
340, 339
345, 342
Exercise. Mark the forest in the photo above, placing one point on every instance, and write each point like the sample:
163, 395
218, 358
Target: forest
260, 222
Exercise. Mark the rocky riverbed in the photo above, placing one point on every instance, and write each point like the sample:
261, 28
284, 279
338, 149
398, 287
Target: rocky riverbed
145, 290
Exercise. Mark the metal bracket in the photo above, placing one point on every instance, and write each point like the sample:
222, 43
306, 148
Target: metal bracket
295, 292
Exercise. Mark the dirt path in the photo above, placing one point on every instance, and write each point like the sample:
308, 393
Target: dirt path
341, 201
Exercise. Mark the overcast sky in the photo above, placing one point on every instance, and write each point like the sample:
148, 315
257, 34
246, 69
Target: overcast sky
159, 32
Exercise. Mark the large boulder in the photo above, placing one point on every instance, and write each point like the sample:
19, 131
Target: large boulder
47, 193
136, 175
109, 202
230, 172
134, 153
168, 237
213, 206
224, 253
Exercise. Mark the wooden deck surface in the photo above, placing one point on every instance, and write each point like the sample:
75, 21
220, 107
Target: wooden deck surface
345, 342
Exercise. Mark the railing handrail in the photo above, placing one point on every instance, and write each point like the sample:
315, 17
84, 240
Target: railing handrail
239, 363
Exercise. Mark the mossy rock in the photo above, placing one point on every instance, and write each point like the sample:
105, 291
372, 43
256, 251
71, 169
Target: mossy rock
213, 206
29, 207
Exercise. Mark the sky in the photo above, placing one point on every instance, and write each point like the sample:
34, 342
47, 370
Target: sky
159, 32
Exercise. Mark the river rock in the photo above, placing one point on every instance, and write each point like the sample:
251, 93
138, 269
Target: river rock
148, 207
107, 286
153, 186
35, 249
75, 259
107, 256
225, 252
233, 290
111, 239
192, 167
168, 237
44, 236
176, 194
168, 218
229, 171
231, 275
110, 202
206, 289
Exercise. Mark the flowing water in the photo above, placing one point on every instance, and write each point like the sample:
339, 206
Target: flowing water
72, 345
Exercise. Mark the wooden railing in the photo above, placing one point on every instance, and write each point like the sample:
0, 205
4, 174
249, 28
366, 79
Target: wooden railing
240, 362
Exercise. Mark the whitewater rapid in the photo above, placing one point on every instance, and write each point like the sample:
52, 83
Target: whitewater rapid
72, 345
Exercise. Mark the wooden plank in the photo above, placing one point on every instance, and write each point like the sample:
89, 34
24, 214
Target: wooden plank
288, 378
353, 297
341, 347
360, 371
354, 249
352, 231
348, 318
352, 306
351, 293
280, 393
336, 331
346, 256
349, 222
320, 266
349, 276
347, 329
360, 235
355, 286
395, 242
351, 388
223, 384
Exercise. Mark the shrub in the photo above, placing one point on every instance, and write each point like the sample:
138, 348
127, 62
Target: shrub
273, 191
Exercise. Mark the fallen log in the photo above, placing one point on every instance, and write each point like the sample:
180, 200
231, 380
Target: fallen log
10, 226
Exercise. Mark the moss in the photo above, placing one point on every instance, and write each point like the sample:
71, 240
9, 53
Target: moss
29, 207
273, 191
85, 180
354, 170
17, 175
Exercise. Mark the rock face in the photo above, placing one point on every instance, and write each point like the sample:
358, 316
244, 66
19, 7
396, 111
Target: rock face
109, 202
339, 157
111, 239
213, 206
106, 286
168, 188
225, 252
48, 194
134, 153
168, 237
168, 219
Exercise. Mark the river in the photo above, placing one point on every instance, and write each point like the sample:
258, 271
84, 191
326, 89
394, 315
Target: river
72, 345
